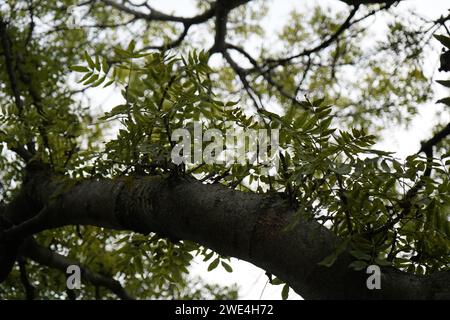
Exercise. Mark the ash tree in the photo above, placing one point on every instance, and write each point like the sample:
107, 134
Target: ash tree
95, 186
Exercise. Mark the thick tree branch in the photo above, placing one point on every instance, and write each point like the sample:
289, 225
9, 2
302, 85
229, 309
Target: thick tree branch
248, 226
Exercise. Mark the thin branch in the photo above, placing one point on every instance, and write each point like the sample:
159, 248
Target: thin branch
156, 15
57, 261
29, 289
347, 23
7, 52
32, 23
242, 76
438, 137
266, 74
173, 44
360, 2
427, 148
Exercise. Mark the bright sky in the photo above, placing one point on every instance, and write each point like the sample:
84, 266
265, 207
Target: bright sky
252, 281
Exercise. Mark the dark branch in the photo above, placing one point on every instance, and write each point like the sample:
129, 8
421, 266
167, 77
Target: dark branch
156, 15
173, 44
9, 62
438, 137
360, 2
29, 289
347, 23
248, 226
54, 260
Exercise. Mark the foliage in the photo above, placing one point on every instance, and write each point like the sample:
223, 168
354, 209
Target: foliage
387, 211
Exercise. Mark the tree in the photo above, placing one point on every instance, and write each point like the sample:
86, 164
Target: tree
133, 219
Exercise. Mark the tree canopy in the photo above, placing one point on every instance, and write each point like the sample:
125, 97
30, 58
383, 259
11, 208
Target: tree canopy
98, 187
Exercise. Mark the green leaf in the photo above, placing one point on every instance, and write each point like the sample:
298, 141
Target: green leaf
97, 63
104, 65
226, 266
79, 68
119, 109
276, 281
444, 101
231, 103
443, 39
325, 124
108, 83
213, 264
285, 292
131, 46
382, 262
358, 265
328, 261
397, 166
300, 121
445, 83
91, 79
385, 166
86, 76
98, 82
89, 60
360, 255
208, 256
318, 102
342, 169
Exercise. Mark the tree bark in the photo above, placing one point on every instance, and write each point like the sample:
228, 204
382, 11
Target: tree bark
244, 225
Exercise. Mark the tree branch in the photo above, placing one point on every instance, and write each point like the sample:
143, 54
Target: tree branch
47, 257
173, 44
344, 26
156, 15
29, 289
365, 2
438, 137
6, 46
248, 226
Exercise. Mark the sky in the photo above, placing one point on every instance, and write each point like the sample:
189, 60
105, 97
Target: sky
404, 141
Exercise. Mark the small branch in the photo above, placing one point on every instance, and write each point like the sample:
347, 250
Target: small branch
345, 204
7, 52
266, 74
360, 2
57, 261
347, 23
23, 153
156, 15
175, 43
32, 23
242, 76
427, 148
438, 137
27, 228
29, 289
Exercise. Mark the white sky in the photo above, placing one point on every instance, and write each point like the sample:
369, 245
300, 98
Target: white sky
251, 279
